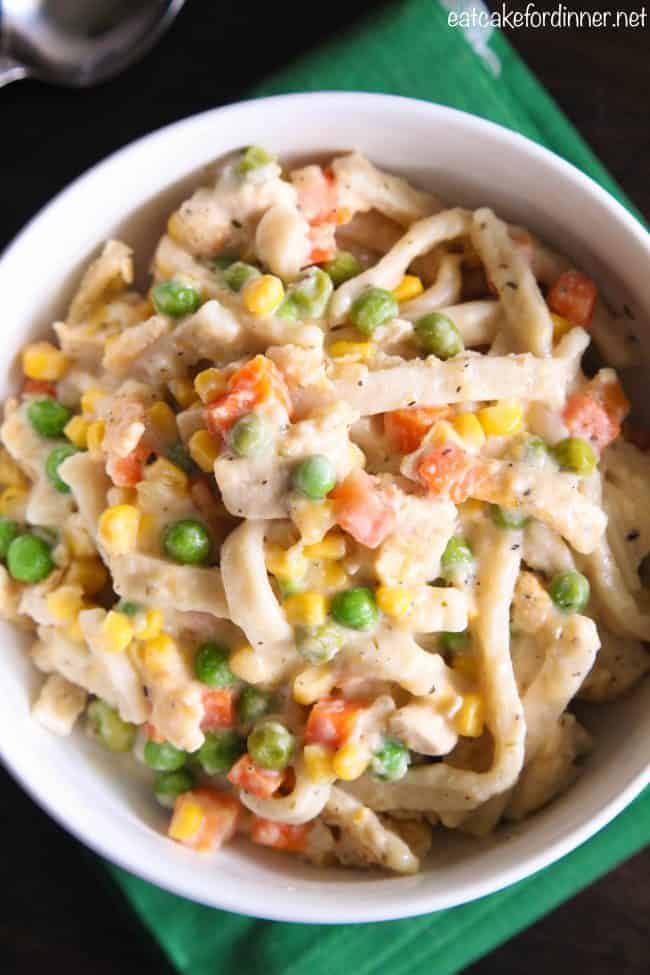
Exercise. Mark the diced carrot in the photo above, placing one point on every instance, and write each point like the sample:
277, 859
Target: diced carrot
612, 397
258, 381
128, 471
405, 429
281, 836
450, 472
332, 720
216, 824
152, 733
39, 387
362, 509
260, 782
317, 196
323, 240
597, 414
218, 708
573, 296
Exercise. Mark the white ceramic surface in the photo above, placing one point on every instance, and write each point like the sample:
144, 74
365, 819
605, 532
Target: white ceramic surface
466, 160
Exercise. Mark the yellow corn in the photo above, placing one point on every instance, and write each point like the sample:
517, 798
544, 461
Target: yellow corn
42, 360
501, 419
171, 475
210, 384
312, 683
394, 601
163, 419
409, 287
187, 820
262, 295
13, 502
465, 664
247, 665
95, 438
117, 632
334, 576
148, 531
306, 609
151, 626
90, 399
318, 763
10, 473
358, 350
90, 574
313, 519
64, 603
175, 227
560, 327
156, 653
350, 761
204, 450
118, 528
442, 432
333, 546
469, 429
470, 719
289, 563
78, 540
76, 430
74, 632
183, 392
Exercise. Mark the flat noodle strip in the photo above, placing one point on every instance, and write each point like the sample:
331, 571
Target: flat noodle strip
305, 801
618, 606
529, 320
477, 321
445, 290
379, 844
376, 189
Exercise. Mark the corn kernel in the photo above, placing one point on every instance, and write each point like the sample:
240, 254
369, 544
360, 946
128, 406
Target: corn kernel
306, 609
560, 327
204, 450
318, 763
466, 665
313, 519
442, 432
64, 603
469, 429
148, 531
76, 430
117, 632
187, 820
357, 350
350, 761
333, 546
210, 384
175, 227
118, 528
13, 502
95, 438
312, 683
248, 665
157, 652
262, 295
171, 475
334, 576
151, 626
91, 398
74, 632
10, 473
42, 360
90, 574
394, 601
78, 540
470, 719
183, 392
409, 287
501, 419
163, 419
284, 563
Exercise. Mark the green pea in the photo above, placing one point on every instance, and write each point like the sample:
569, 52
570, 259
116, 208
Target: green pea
54, 460
307, 297
453, 642
239, 274
271, 745
570, 591
128, 608
391, 761
186, 541
253, 158
533, 451
575, 454
253, 703
222, 262
355, 608
29, 559
438, 335
456, 559
371, 309
8, 531
314, 477
168, 786
179, 455
220, 751
342, 267
48, 417
175, 298
211, 665
163, 756
288, 587
507, 518
116, 734
250, 436
318, 644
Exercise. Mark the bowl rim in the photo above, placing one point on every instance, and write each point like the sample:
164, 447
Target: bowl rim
417, 902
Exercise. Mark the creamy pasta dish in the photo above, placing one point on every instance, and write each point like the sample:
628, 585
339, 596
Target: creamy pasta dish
330, 525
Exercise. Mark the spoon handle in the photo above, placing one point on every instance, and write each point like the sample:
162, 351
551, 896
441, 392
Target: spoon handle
11, 70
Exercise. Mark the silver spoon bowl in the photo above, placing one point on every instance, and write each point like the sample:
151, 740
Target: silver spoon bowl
78, 42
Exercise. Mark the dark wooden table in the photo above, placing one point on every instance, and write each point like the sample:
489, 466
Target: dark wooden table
57, 912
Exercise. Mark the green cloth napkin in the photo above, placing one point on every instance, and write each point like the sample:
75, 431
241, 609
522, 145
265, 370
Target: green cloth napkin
406, 49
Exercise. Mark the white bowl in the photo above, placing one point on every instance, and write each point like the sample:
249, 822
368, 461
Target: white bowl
467, 160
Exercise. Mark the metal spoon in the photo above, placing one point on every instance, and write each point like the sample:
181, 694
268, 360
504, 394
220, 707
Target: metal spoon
78, 42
